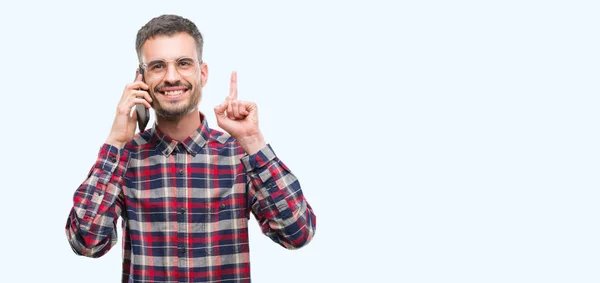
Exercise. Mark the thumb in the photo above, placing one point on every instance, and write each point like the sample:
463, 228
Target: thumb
220, 111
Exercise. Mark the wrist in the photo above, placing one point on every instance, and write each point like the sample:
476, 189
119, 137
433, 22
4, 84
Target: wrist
115, 143
252, 144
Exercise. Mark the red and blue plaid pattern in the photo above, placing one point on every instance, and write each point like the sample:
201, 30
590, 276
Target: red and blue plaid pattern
185, 207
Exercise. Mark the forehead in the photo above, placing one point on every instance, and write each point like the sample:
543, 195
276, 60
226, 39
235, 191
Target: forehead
169, 47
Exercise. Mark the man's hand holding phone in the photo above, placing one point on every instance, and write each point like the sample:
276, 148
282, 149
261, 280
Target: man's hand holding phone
124, 125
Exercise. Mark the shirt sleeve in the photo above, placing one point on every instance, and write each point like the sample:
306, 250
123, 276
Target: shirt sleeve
97, 203
277, 201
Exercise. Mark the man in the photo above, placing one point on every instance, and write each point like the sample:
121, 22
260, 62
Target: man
185, 191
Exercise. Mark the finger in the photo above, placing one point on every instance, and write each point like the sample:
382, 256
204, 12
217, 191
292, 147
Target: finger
137, 85
235, 105
233, 85
220, 109
220, 113
142, 94
132, 100
135, 101
243, 109
230, 109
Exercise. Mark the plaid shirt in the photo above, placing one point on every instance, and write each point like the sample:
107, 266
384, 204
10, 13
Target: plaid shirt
185, 206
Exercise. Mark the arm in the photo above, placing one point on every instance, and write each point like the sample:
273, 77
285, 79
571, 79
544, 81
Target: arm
274, 194
97, 204
277, 202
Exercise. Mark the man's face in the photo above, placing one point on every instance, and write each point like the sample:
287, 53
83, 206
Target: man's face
174, 95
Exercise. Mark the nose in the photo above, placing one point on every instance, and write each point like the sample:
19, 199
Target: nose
172, 75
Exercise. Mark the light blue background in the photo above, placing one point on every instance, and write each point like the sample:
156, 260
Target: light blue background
437, 141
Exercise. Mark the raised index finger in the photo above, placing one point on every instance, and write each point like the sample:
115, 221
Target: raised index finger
233, 85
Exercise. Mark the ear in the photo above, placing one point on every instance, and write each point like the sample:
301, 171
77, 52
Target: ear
203, 73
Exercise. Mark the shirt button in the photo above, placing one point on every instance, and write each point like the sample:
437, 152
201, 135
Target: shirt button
222, 206
181, 250
181, 210
180, 171
112, 159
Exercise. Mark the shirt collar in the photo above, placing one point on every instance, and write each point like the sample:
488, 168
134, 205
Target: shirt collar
192, 144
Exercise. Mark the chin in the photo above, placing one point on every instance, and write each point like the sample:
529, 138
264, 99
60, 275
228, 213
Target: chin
174, 113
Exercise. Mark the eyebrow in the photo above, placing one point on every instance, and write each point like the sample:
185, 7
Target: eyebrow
163, 60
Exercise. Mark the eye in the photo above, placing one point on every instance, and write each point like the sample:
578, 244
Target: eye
185, 63
156, 66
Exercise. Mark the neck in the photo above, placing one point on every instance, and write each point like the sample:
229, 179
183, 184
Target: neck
181, 128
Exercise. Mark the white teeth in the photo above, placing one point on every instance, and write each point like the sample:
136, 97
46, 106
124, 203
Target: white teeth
175, 92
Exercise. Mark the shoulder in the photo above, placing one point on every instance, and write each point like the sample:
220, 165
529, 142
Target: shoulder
140, 142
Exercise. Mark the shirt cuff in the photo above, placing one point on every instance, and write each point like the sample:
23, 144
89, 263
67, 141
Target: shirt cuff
112, 159
259, 159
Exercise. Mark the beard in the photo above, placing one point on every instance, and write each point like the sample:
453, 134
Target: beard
173, 111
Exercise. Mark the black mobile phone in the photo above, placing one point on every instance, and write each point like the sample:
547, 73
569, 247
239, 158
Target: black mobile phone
143, 114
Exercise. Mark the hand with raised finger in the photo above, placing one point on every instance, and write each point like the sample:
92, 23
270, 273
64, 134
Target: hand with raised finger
240, 119
124, 125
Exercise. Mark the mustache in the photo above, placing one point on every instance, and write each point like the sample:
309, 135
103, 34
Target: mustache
159, 88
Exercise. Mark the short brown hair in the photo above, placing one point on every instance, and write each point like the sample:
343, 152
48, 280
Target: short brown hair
168, 25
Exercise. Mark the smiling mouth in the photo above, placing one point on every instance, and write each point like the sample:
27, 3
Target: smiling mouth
174, 92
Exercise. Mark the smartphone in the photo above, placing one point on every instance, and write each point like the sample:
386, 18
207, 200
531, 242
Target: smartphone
143, 114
